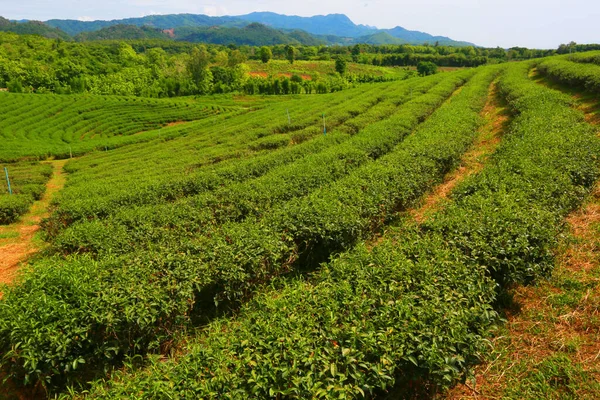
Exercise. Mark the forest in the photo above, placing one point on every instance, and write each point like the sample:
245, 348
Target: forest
159, 68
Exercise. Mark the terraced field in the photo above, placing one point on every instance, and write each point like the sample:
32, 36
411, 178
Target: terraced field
272, 251
43, 126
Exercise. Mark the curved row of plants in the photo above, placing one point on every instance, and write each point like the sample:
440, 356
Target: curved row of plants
64, 126
335, 334
66, 314
418, 306
582, 75
42, 126
130, 227
27, 184
592, 57
92, 193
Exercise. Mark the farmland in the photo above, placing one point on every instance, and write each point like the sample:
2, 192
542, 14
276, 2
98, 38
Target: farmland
267, 247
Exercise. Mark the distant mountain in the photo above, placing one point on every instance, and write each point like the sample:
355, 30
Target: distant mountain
32, 28
254, 34
120, 32
331, 29
380, 38
73, 27
416, 37
332, 24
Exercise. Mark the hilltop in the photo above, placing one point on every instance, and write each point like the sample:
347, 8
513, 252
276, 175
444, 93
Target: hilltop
328, 29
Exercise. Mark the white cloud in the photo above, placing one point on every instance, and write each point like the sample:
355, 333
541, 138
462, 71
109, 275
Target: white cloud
214, 10
86, 19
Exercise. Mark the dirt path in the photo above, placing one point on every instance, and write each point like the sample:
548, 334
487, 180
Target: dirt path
496, 117
550, 345
17, 241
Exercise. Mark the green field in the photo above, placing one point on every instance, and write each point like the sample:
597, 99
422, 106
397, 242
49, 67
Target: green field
263, 247
308, 69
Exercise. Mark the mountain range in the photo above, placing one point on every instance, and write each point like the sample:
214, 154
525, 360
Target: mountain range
278, 28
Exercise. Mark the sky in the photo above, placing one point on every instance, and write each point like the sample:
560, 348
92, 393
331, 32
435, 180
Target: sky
491, 23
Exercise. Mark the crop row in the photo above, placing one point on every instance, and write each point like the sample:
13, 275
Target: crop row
27, 183
591, 57
105, 195
80, 311
585, 76
417, 307
39, 126
251, 197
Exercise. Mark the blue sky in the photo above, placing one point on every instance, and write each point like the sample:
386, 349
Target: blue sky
528, 23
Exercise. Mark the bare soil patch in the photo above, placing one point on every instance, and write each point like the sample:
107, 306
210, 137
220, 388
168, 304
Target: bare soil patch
17, 240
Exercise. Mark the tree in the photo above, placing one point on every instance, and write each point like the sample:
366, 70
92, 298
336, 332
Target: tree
198, 69
355, 52
265, 54
426, 68
290, 53
341, 66
235, 58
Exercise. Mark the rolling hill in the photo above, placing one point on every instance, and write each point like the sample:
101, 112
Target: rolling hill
332, 28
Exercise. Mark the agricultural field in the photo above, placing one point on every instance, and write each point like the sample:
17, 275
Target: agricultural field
24, 183
357, 244
308, 69
45, 126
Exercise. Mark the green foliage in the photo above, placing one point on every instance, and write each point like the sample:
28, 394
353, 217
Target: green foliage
582, 75
405, 311
341, 65
139, 252
417, 307
122, 32
265, 54
251, 35
291, 54
28, 184
39, 126
425, 68
244, 251
32, 28
12, 207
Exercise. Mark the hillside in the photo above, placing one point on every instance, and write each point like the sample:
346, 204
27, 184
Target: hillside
414, 37
123, 32
332, 28
254, 34
379, 38
303, 246
73, 27
332, 24
32, 28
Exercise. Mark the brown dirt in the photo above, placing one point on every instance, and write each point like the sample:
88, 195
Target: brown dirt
496, 116
18, 242
262, 74
175, 123
258, 74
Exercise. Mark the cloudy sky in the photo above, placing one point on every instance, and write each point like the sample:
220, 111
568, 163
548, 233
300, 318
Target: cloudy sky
505, 23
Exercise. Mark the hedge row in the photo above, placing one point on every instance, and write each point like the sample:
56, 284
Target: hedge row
65, 315
28, 184
415, 309
135, 228
588, 57
106, 199
410, 305
585, 76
